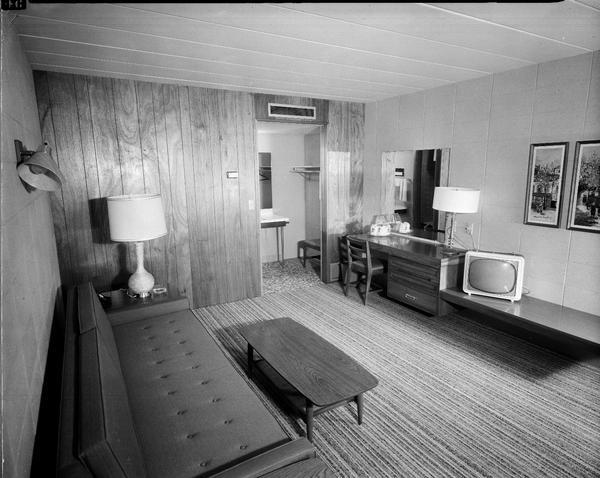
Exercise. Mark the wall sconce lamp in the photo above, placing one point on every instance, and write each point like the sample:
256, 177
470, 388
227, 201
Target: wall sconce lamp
37, 169
455, 200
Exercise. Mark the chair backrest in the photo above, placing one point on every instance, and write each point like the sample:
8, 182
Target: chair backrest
358, 251
343, 250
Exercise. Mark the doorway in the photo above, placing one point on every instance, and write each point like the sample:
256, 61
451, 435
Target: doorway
289, 159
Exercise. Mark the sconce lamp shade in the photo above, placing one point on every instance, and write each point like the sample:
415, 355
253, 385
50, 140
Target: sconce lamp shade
38, 169
135, 218
457, 200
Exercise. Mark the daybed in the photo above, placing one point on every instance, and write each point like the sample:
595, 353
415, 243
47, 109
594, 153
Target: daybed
156, 397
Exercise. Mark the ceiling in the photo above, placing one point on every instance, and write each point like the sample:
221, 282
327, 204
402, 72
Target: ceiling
359, 52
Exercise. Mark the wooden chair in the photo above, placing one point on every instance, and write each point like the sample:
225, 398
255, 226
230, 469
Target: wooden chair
361, 262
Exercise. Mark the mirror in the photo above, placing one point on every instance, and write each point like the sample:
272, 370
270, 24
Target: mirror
264, 180
409, 179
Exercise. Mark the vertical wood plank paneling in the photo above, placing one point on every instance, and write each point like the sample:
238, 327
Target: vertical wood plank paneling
190, 191
356, 135
164, 183
56, 200
92, 180
231, 191
128, 141
179, 236
248, 187
128, 136
109, 170
203, 237
312, 157
156, 255
124, 137
345, 134
70, 158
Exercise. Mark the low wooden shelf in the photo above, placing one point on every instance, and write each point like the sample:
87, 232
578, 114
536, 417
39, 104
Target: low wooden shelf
569, 331
120, 307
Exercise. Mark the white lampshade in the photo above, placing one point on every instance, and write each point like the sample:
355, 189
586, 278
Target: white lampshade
459, 200
134, 218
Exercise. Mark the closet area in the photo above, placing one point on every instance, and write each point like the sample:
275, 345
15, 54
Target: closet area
289, 156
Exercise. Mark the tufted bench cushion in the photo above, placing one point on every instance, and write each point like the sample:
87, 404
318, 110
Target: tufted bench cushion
155, 396
108, 443
192, 410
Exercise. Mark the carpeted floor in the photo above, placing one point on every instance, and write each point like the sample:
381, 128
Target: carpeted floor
289, 277
455, 398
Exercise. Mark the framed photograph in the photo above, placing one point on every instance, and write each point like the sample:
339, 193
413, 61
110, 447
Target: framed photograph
545, 184
584, 212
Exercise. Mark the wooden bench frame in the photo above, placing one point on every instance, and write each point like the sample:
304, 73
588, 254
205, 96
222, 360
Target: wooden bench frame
307, 244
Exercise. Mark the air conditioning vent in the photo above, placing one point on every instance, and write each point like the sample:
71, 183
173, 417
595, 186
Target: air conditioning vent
277, 110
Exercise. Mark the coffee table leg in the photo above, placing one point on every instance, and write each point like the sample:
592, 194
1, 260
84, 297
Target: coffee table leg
359, 407
309, 420
250, 359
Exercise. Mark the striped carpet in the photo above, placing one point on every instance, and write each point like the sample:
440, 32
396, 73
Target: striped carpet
455, 398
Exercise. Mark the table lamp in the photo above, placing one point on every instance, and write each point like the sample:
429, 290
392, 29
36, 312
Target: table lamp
455, 200
137, 218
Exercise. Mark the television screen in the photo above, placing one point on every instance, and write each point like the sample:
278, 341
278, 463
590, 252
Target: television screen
493, 276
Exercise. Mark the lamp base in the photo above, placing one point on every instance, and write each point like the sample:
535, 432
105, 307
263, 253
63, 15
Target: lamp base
141, 281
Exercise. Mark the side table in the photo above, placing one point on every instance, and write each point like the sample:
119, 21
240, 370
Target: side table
120, 307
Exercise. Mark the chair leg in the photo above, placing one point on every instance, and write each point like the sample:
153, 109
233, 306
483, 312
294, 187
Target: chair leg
367, 287
347, 281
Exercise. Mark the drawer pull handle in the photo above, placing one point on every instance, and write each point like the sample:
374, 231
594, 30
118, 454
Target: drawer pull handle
410, 297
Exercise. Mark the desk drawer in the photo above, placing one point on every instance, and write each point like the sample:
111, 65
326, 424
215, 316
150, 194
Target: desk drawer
417, 298
406, 267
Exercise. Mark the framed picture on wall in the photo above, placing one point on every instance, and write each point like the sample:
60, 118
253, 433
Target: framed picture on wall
545, 180
584, 211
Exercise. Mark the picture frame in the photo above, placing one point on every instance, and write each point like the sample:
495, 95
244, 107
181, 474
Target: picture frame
584, 210
545, 184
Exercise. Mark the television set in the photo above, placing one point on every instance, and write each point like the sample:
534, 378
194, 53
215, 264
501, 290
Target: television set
494, 274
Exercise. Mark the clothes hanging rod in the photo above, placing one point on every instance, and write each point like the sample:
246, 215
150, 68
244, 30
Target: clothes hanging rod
306, 169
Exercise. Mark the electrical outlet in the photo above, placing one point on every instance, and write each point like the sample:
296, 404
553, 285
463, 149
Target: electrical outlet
469, 229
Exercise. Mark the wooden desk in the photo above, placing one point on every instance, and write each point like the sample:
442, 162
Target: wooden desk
417, 270
279, 223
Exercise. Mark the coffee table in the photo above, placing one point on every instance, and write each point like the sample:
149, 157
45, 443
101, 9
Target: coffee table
309, 373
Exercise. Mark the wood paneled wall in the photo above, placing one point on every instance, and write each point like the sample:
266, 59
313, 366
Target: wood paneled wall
114, 137
342, 182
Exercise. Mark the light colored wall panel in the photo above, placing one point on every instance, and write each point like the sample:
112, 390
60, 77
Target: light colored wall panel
439, 105
550, 102
512, 81
468, 165
572, 69
512, 104
30, 273
437, 135
287, 151
470, 131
